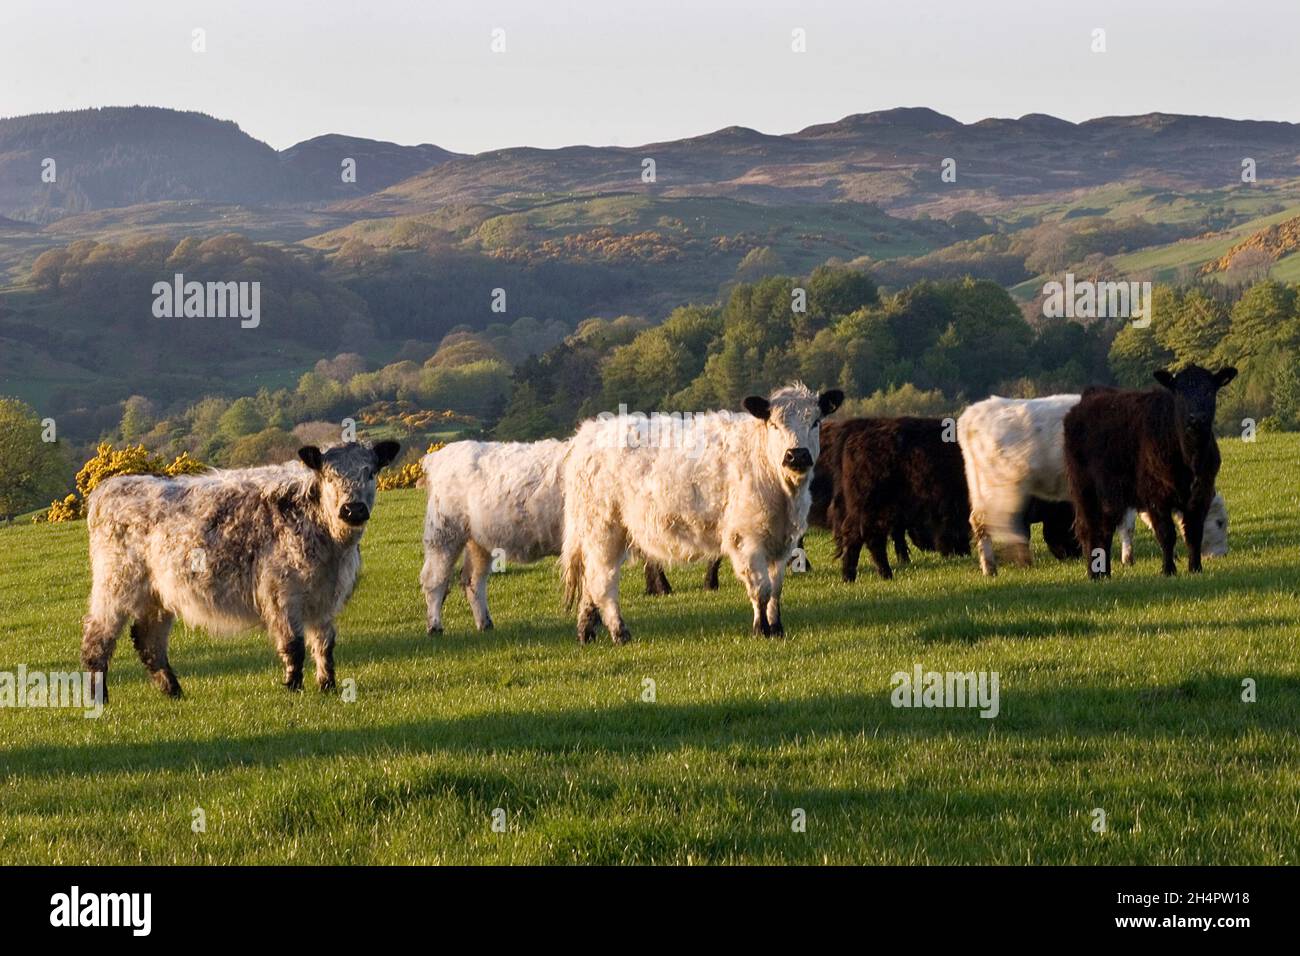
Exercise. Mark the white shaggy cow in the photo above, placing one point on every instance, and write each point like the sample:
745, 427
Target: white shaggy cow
485, 496
736, 485
228, 550
1014, 449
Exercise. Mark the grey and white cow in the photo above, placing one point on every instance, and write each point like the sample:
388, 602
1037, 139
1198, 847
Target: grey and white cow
228, 550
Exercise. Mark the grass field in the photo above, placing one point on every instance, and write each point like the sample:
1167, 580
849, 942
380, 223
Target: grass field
1124, 695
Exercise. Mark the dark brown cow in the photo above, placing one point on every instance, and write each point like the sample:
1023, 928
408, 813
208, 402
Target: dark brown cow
1057, 518
1152, 450
891, 474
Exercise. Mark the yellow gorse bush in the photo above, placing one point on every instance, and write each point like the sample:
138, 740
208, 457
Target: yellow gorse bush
109, 462
408, 476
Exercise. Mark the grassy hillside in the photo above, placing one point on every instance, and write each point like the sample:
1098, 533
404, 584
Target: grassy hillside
1123, 695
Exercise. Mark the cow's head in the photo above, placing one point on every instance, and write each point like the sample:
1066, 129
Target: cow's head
346, 475
793, 418
1195, 392
1214, 543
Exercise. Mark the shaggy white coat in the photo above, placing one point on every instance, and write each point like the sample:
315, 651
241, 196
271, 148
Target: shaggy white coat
726, 492
486, 497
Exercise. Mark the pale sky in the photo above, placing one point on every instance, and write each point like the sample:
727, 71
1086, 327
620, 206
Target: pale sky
615, 72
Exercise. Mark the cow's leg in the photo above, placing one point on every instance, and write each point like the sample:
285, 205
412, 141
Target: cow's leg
285, 628
807, 565
602, 562
1018, 550
711, 575
588, 621
149, 634
1089, 529
878, 547
478, 568
850, 553
435, 577
99, 634
1162, 522
776, 574
983, 543
321, 640
656, 581
1101, 545
901, 552
1194, 536
1126, 536
750, 564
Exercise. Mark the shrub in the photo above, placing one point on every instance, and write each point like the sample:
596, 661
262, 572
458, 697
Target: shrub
66, 510
109, 462
408, 475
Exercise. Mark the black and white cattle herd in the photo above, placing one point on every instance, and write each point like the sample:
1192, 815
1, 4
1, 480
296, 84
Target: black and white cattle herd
279, 546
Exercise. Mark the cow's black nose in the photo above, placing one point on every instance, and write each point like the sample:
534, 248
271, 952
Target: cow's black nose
798, 459
355, 513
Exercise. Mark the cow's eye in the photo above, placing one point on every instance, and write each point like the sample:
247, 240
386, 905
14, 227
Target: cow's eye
1220, 524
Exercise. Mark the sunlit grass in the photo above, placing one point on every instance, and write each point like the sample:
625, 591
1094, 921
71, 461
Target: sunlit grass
1124, 695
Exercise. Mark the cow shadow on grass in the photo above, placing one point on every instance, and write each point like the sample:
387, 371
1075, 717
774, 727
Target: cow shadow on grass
1204, 709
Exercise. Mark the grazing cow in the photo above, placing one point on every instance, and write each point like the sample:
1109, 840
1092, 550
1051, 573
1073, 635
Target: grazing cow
1015, 469
1213, 545
741, 491
1012, 448
485, 496
505, 498
891, 474
1152, 450
228, 550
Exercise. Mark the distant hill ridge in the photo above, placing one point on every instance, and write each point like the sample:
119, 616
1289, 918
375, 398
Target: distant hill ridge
113, 157
120, 156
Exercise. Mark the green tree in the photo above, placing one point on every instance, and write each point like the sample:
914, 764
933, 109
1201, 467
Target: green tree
240, 419
137, 418
1135, 353
32, 470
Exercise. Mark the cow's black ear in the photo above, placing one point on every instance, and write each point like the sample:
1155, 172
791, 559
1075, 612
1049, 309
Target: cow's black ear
385, 452
311, 456
758, 407
1164, 378
1223, 376
830, 400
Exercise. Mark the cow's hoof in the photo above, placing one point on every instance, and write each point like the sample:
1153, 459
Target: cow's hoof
326, 685
487, 625
762, 629
167, 683
293, 683
621, 636
434, 630
776, 630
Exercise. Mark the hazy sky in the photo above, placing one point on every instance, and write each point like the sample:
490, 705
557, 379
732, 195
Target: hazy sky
616, 72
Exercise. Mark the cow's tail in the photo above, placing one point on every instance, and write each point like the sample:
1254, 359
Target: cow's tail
572, 566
